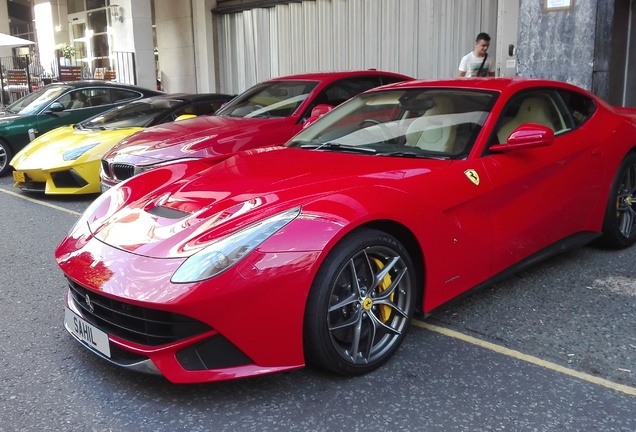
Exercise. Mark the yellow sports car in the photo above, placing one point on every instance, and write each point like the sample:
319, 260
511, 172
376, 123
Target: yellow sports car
66, 160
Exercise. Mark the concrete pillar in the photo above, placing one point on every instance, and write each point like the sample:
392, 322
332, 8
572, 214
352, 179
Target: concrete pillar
205, 46
4, 27
175, 42
134, 34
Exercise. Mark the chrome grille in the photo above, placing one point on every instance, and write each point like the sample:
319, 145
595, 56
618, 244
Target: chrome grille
133, 323
122, 171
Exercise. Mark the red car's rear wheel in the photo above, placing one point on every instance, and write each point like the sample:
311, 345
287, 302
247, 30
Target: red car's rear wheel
619, 227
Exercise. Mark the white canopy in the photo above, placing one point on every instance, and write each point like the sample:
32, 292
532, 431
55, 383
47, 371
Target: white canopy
8, 41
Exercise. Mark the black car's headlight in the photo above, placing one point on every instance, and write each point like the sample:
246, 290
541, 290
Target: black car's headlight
223, 253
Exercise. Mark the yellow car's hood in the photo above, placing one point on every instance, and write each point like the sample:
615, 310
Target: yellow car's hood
47, 151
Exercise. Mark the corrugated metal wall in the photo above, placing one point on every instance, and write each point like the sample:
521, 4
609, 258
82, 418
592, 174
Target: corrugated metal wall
420, 38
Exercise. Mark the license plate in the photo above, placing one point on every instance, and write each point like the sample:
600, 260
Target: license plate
19, 177
87, 333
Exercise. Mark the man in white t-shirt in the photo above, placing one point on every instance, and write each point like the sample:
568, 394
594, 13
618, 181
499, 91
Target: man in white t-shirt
477, 62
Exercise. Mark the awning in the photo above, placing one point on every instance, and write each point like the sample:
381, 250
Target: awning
8, 41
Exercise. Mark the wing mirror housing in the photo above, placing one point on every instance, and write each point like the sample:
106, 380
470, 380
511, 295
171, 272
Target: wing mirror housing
318, 111
528, 135
56, 107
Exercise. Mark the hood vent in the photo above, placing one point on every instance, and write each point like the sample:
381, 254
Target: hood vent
167, 213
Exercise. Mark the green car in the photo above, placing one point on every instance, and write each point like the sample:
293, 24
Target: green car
59, 104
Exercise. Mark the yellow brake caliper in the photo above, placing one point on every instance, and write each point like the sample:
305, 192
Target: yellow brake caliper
385, 311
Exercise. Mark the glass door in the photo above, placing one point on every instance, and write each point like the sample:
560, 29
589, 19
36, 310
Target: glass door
79, 37
89, 36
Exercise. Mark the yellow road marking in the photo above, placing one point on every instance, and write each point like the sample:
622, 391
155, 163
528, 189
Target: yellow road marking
527, 358
53, 206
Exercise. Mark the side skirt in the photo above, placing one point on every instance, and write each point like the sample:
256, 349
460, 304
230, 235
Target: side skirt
572, 242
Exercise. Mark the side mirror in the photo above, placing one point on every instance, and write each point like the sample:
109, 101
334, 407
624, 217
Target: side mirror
528, 135
318, 111
56, 107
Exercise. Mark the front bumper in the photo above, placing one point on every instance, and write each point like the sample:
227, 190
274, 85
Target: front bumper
74, 180
246, 322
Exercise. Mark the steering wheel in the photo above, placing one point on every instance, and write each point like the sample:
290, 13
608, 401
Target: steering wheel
386, 132
258, 107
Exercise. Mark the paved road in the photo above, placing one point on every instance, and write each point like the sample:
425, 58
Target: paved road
552, 349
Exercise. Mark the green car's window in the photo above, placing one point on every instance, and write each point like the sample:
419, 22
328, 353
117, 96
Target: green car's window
34, 102
119, 95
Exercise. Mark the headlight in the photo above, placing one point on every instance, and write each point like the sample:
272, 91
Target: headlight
75, 153
227, 251
144, 168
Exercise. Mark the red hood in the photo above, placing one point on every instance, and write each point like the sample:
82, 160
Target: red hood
201, 137
177, 209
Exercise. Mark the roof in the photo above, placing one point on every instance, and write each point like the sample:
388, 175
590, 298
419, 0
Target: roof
100, 83
333, 75
194, 97
500, 84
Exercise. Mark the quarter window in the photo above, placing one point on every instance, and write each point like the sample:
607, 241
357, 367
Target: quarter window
580, 107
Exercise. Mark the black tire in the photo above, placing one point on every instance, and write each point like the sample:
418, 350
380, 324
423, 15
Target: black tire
360, 305
619, 225
5, 157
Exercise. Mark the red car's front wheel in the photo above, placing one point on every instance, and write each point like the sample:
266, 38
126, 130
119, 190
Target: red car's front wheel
360, 305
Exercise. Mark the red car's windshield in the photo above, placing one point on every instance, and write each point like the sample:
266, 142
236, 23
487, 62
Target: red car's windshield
427, 122
269, 99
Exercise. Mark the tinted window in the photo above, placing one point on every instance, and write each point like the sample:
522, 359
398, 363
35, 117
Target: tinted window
119, 95
580, 106
390, 79
75, 99
202, 107
134, 114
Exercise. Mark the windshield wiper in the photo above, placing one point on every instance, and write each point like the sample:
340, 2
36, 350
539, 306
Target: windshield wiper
412, 154
336, 146
403, 154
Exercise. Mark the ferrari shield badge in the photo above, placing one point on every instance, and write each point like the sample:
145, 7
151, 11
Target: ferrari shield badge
472, 176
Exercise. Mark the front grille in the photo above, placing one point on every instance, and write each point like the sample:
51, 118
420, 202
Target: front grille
122, 171
68, 179
105, 169
31, 186
150, 327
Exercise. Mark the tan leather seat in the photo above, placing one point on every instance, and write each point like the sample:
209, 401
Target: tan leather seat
532, 110
434, 130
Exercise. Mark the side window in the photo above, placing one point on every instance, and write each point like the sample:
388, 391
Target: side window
119, 95
538, 107
580, 107
202, 108
390, 80
97, 97
340, 91
75, 99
